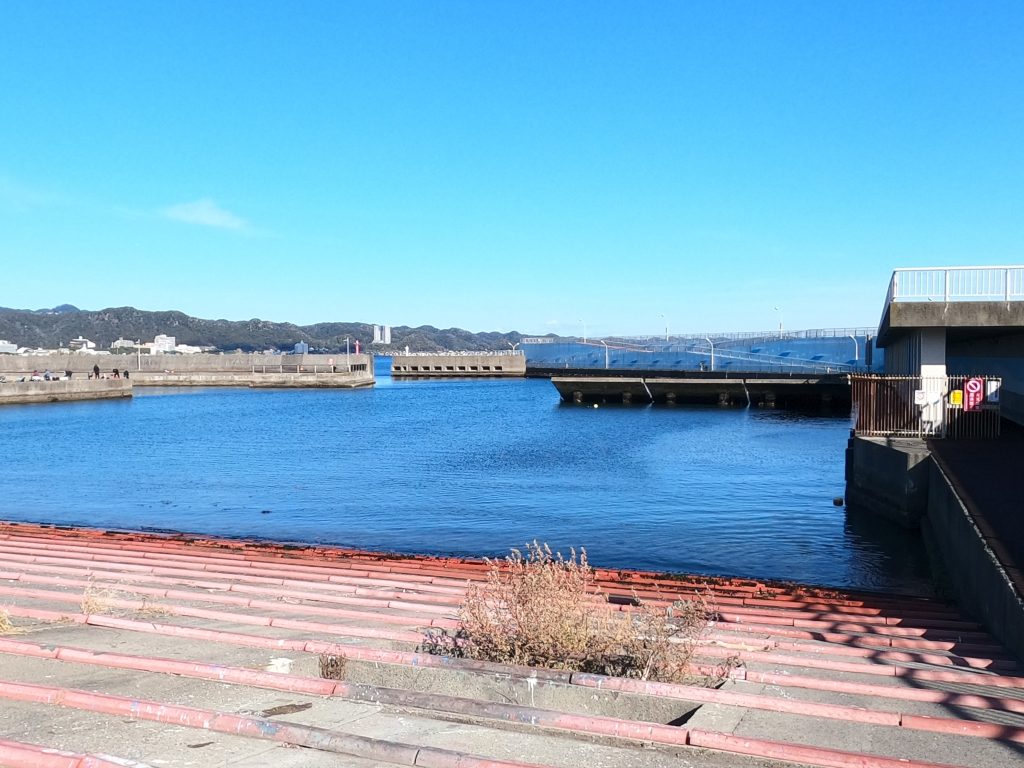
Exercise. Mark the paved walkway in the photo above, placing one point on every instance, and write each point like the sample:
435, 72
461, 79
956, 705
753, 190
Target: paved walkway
176, 651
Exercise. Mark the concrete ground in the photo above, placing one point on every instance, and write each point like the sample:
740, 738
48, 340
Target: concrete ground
173, 651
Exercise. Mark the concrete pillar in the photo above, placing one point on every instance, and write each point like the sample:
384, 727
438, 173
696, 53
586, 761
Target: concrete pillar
932, 348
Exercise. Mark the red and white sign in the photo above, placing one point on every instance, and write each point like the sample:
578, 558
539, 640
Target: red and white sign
974, 393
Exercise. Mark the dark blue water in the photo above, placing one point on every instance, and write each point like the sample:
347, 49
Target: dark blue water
464, 467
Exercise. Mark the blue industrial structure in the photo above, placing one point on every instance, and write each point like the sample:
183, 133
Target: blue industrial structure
815, 351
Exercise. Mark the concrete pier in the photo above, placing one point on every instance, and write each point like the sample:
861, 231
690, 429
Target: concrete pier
707, 388
20, 392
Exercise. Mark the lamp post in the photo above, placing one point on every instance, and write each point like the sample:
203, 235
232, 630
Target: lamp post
856, 347
138, 354
665, 321
712, 345
780, 321
605, 345
348, 359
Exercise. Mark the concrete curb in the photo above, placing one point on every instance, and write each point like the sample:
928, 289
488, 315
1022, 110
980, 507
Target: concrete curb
307, 736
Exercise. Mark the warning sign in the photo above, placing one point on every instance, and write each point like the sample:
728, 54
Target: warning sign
974, 393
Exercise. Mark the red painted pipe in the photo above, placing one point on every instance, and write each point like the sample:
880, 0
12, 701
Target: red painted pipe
796, 753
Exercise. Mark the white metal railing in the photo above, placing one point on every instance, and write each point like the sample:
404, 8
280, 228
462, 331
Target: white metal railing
957, 284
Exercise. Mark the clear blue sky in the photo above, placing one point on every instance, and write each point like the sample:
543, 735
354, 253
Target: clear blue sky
506, 165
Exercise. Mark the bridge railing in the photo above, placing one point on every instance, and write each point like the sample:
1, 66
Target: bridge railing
957, 284
926, 407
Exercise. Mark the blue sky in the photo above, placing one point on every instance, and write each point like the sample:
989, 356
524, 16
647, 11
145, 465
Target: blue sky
531, 166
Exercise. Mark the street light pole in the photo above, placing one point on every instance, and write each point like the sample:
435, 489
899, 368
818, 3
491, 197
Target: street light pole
603, 342
712, 345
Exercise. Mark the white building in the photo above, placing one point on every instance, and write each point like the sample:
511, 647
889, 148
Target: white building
6, 348
162, 344
301, 348
382, 334
81, 344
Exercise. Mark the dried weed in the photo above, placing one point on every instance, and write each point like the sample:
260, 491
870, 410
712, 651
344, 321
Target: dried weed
7, 627
332, 667
544, 610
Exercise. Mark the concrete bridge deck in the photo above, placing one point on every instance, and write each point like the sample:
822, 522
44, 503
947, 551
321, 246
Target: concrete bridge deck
173, 650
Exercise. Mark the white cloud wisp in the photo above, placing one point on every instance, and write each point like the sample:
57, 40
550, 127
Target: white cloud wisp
206, 213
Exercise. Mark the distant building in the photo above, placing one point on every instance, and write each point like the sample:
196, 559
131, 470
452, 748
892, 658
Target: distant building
162, 343
81, 344
302, 348
6, 348
382, 334
124, 344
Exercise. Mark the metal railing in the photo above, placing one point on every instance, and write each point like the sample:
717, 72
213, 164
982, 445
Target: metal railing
957, 284
926, 407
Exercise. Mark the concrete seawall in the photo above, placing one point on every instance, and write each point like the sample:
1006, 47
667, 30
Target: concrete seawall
969, 568
20, 392
270, 379
889, 477
458, 365
234, 370
903, 480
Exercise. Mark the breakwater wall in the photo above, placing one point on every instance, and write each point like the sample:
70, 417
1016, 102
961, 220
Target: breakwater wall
158, 363
474, 365
257, 379
21, 392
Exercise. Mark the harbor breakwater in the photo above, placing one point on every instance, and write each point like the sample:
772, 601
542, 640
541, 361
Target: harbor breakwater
23, 392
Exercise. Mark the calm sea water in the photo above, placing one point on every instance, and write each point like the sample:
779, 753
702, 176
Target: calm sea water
462, 467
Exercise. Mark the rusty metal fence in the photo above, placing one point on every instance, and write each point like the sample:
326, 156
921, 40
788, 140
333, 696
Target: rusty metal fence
953, 407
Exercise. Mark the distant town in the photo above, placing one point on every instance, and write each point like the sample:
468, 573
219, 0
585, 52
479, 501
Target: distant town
167, 345
126, 330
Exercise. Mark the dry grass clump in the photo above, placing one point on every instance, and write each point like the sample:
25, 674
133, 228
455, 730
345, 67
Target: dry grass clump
544, 610
98, 599
332, 667
6, 625
109, 600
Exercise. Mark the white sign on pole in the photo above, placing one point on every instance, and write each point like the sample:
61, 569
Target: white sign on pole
992, 390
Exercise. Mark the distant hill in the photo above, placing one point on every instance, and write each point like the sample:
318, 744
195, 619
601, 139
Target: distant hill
50, 328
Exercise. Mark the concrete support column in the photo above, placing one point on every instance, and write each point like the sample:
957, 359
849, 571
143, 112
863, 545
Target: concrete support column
932, 348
